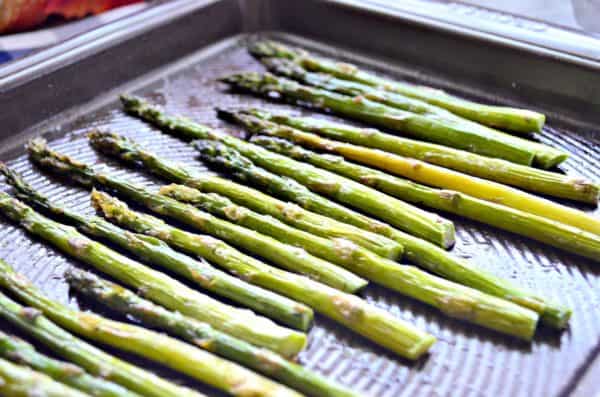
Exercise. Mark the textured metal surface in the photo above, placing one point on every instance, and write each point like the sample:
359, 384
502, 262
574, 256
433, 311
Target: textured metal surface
466, 361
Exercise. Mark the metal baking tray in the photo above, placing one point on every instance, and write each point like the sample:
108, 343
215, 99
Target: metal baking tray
172, 53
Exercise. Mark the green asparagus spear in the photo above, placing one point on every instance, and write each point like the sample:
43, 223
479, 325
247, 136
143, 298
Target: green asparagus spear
407, 217
289, 213
519, 120
527, 178
94, 360
154, 251
349, 310
204, 336
21, 352
282, 254
155, 285
185, 358
432, 175
538, 228
18, 381
486, 141
416, 250
493, 313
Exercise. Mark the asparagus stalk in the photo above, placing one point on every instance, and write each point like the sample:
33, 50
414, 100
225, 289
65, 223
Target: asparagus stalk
92, 359
348, 310
492, 312
23, 353
287, 212
527, 178
484, 138
405, 216
538, 228
518, 120
433, 175
416, 250
155, 285
153, 250
185, 358
204, 336
19, 381
289, 257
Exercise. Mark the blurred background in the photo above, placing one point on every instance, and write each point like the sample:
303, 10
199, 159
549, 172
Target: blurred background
28, 25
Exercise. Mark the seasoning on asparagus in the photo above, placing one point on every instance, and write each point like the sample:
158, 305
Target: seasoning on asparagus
339, 251
453, 299
182, 357
156, 285
405, 216
416, 250
519, 120
287, 212
348, 310
442, 127
433, 175
154, 251
23, 353
203, 335
92, 359
293, 258
524, 177
19, 381
536, 227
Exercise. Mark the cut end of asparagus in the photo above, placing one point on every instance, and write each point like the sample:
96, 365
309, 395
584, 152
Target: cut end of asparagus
556, 317
421, 347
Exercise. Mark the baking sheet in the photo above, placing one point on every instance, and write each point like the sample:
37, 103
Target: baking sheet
466, 361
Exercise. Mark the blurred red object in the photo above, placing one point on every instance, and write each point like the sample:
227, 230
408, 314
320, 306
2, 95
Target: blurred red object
18, 15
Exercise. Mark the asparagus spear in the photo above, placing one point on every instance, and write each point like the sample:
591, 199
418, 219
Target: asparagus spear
282, 254
348, 310
527, 178
453, 299
287, 212
536, 227
405, 216
433, 175
203, 335
18, 381
442, 123
155, 285
94, 360
185, 358
519, 120
155, 251
416, 250
23, 353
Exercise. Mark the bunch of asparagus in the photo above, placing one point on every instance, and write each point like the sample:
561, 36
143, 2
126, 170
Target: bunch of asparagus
534, 226
518, 120
484, 310
185, 358
222, 149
